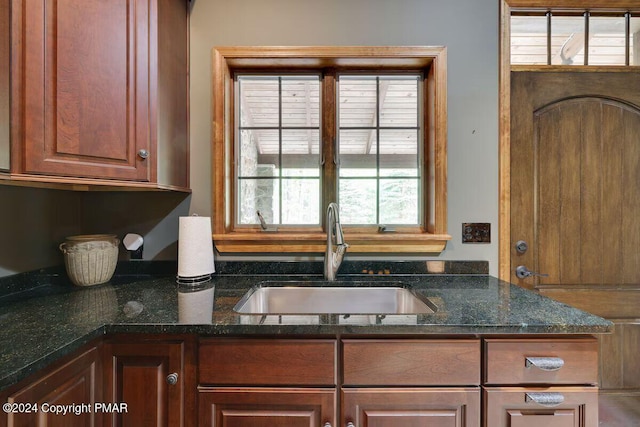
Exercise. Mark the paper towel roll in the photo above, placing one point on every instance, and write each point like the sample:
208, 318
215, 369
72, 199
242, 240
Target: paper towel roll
195, 247
195, 307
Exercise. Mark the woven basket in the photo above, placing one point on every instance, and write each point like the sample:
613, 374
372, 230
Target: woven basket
90, 259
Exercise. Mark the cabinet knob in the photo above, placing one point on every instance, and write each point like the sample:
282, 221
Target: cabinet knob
172, 379
350, 424
143, 154
327, 424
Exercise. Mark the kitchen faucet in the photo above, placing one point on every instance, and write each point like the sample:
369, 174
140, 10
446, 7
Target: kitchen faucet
332, 260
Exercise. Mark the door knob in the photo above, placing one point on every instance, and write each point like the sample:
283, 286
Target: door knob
523, 272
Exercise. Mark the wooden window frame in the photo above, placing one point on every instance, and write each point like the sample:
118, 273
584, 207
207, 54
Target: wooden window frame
431, 237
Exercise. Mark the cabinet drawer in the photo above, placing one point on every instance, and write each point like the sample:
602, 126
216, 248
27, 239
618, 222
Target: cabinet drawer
411, 362
536, 361
538, 406
267, 362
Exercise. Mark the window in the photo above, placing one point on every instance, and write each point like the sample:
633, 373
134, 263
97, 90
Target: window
575, 38
297, 128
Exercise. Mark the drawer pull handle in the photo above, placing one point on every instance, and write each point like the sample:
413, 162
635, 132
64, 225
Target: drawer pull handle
544, 399
544, 363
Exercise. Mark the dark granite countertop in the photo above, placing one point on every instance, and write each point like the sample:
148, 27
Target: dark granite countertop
50, 318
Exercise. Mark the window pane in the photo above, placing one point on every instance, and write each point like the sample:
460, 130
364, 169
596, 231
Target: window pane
634, 42
259, 101
398, 99
300, 201
301, 101
257, 148
357, 149
529, 40
399, 153
357, 101
300, 155
606, 40
258, 195
358, 201
399, 201
567, 40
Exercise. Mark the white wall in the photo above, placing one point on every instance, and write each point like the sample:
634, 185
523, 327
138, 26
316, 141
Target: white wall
469, 29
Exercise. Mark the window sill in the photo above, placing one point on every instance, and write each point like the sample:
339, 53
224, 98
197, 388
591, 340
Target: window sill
296, 242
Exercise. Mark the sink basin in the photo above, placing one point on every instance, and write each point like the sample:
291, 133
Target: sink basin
307, 299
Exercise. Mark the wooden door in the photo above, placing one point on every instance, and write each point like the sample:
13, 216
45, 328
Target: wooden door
76, 385
575, 168
150, 378
85, 90
515, 407
575, 199
426, 407
266, 407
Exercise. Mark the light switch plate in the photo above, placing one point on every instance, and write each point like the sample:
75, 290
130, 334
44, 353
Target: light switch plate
476, 232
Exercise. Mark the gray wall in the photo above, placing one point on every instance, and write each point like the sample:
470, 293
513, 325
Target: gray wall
469, 29
33, 222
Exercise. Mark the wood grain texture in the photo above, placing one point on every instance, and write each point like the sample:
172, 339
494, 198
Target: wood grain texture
264, 407
136, 371
5, 85
571, 207
430, 60
93, 85
505, 406
411, 362
286, 362
413, 407
622, 5
78, 381
505, 361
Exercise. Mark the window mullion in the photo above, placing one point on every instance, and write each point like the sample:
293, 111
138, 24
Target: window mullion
329, 138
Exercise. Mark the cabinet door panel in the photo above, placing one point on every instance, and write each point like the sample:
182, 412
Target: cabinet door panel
261, 407
86, 110
136, 374
559, 418
75, 385
508, 406
427, 407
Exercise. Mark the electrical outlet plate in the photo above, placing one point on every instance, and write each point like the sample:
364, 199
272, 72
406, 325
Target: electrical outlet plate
476, 232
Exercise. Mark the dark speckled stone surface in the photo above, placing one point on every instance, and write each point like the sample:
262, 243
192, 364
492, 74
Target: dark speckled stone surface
42, 323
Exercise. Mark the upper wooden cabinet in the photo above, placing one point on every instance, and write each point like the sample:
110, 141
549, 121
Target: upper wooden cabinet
99, 91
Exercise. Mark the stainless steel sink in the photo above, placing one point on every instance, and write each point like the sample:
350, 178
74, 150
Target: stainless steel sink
265, 299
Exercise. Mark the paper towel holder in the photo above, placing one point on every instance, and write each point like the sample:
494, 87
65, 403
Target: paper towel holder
194, 243
193, 281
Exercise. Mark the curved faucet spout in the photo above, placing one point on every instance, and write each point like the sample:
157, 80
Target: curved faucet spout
333, 259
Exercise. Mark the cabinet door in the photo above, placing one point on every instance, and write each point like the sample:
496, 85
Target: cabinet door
149, 378
261, 407
75, 385
427, 407
535, 407
86, 87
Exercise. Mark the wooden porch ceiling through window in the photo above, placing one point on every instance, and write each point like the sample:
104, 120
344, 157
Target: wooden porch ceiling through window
358, 116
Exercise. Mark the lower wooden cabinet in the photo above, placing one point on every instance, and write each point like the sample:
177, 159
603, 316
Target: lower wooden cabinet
152, 378
262, 407
74, 386
536, 407
416, 407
